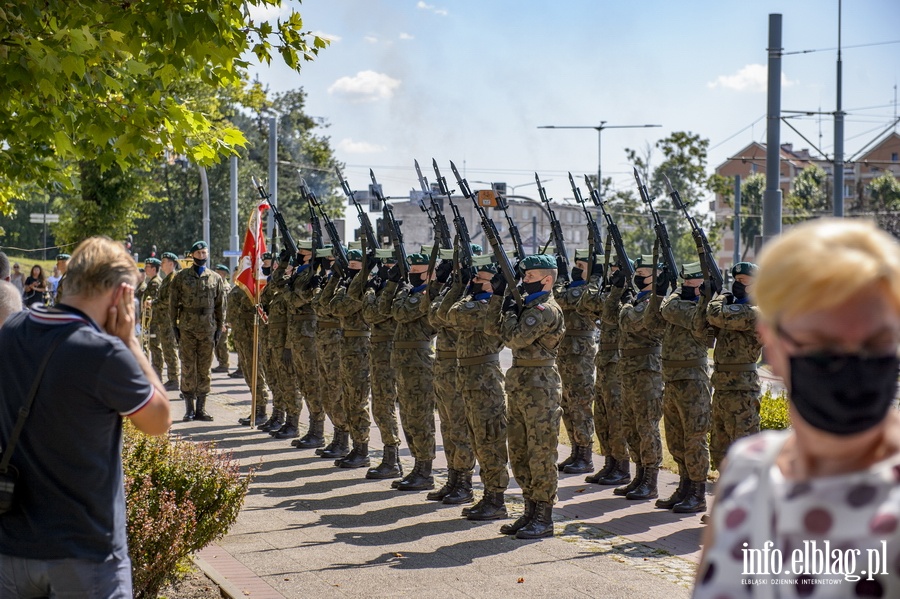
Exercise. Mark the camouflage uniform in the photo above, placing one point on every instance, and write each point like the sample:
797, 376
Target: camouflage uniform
240, 316
222, 345
450, 404
480, 380
609, 412
576, 369
197, 304
302, 343
383, 376
346, 304
534, 390
152, 294
686, 398
163, 321
413, 361
735, 409
328, 353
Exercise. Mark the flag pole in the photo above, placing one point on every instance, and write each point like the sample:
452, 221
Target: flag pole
254, 375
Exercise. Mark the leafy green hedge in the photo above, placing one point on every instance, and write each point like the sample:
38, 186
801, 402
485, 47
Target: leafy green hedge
773, 411
180, 497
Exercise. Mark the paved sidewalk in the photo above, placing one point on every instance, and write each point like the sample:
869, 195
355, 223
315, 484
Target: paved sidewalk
309, 529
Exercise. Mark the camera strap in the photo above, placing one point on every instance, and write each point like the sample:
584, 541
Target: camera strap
26, 408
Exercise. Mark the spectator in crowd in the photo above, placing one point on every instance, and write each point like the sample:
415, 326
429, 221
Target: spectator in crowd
35, 286
17, 278
65, 533
53, 280
10, 300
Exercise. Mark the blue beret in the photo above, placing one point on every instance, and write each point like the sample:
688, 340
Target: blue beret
222, 267
199, 245
170, 256
538, 261
744, 268
418, 259
354, 255
152, 262
63, 256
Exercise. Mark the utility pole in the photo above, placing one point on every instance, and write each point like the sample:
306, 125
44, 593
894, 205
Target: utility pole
772, 195
839, 133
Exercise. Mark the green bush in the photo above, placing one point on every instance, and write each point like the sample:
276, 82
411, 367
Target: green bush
773, 411
180, 497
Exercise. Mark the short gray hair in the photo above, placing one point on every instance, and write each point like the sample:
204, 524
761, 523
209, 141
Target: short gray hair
10, 301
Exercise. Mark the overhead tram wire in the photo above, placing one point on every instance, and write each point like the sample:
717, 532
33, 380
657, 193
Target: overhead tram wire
842, 48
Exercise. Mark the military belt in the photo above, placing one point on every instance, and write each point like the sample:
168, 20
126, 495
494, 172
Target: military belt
579, 333
382, 338
199, 310
303, 317
640, 351
533, 363
357, 334
608, 346
412, 344
684, 363
479, 360
736, 367
329, 325
445, 354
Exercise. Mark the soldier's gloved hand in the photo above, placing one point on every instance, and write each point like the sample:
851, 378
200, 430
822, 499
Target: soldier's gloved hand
560, 265
374, 284
394, 274
729, 298
287, 357
618, 279
443, 271
498, 284
597, 269
177, 332
509, 305
627, 296
662, 284
314, 281
216, 335
466, 275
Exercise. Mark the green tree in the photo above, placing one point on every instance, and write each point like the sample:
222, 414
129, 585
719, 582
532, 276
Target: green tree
752, 190
100, 81
807, 196
883, 199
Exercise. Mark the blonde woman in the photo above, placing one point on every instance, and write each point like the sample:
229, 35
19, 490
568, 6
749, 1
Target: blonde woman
814, 511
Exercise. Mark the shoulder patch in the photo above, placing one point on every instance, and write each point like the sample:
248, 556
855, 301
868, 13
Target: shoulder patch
413, 299
483, 301
531, 321
734, 308
470, 305
640, 307
576, 292
541, 307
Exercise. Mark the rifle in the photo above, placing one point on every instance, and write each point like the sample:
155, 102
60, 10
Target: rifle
662, 234
289, 242
364, 222
556, 233
442, 237
593, 232
492, 235
395, 232
503, 205
711, 270
613, 233
462, 230
341, 262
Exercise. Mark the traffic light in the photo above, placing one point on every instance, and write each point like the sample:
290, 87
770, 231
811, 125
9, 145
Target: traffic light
153, 251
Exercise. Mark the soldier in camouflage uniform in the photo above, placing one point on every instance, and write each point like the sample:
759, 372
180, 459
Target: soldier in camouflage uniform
534, 391
596, 303
62, 263
384, 378
450, 403
222, 346
163, 321
686, 398
240, 315
197, 305
150, 298
328, 352
576, 368
302, 344
347, 304
413, 360
640, 368
480, 380
279, 361
735, 409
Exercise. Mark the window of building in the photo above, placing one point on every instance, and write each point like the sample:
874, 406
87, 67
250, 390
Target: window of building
895, 156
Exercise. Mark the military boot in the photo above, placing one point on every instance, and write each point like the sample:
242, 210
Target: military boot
491, 507
678, 496
608, 463
638, 476
171, 385
583, 462
619, 475
188, 408
389, 467
275, 421
647, 488
200, 412
420, 481
462, 492
260, 418
567, 461
357, 458
290, 429
237, 374
340, 445
694, 500
541, 524
314, 437
412, 473
452, 477
521, 521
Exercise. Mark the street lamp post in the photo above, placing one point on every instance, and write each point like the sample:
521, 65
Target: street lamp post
599, 129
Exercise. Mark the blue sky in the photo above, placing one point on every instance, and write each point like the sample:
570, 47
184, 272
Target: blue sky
471, 80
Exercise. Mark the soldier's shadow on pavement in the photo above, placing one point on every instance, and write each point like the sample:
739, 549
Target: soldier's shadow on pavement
383, 516
449, 556
294, 500
687, 540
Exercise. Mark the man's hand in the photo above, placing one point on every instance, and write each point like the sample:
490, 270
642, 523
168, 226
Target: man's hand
287, 357
120, 316
443, 271
618, 279
394, 274
510, 305
498, 284
374, 284
662, 284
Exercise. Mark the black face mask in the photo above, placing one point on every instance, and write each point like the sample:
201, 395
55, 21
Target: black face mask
267, 270
532, 287
416, 279
688, 293
351, 272
199, 261
843, 394
738, 290
640, 282
577, 274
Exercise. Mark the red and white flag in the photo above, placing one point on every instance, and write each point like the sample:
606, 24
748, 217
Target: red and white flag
250, 277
